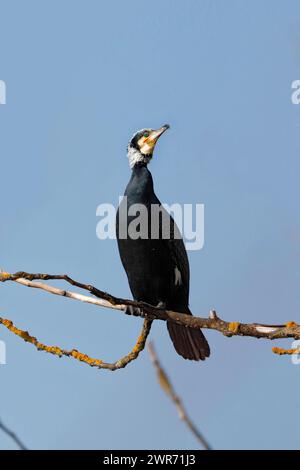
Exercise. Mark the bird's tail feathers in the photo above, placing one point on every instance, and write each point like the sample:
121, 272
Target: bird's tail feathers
188, 342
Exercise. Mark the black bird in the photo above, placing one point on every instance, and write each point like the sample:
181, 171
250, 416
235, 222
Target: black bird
156, 264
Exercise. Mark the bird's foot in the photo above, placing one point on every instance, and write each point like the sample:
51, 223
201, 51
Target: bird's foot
140, 312
135, 311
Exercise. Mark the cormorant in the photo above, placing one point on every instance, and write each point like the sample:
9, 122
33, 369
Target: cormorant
157, 265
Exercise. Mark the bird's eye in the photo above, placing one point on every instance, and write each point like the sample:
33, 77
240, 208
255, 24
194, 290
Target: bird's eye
146, 134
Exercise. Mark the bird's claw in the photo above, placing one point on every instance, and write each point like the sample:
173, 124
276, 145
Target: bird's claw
135, 311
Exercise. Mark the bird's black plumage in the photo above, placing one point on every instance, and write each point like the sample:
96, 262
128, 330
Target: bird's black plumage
157, 267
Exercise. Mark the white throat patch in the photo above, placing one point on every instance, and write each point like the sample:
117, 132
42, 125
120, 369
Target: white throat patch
135, 156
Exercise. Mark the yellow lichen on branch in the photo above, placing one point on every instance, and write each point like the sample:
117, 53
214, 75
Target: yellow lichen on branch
282, 351
103, 299
291, 324
4, 276
57, 351
234, 327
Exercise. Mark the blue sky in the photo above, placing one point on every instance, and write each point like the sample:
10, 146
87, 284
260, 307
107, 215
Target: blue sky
81, 78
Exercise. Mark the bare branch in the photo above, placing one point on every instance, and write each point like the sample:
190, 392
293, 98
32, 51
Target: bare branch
213, 322
284, 352
166, 385
121, 363
12, 435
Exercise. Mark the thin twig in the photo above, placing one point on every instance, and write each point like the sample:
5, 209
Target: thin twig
57, 351
12, 435
213, 322
166, 385
284, 352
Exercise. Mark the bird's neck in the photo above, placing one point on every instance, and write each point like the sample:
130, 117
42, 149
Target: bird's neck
141, 182
140, 171
140, 166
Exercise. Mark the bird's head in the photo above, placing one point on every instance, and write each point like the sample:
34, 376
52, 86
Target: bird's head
141, 146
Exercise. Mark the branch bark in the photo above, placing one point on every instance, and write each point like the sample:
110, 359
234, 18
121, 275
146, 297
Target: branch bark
75, 354
103, 299
166, 385
12, 435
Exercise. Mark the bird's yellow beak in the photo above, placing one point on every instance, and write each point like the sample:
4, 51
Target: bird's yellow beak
147, 144
155, 135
